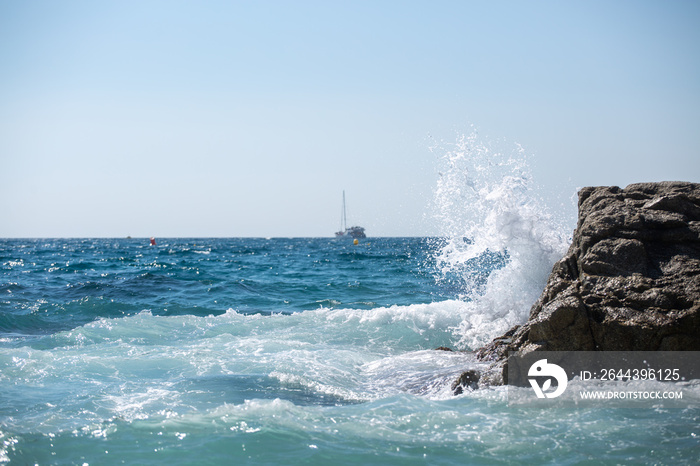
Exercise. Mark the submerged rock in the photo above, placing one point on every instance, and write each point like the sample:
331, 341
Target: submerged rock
469, 379
630, 280
443, 348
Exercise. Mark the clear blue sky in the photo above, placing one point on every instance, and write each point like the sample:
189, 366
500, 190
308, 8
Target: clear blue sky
207, 118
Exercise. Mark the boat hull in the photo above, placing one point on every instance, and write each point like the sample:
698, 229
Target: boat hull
352, 232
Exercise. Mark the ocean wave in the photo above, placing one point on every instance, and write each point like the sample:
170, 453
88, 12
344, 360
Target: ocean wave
144, 365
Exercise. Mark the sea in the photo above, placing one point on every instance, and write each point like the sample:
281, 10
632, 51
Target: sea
287, 351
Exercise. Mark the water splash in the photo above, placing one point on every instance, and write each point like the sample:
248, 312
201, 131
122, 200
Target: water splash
491, 218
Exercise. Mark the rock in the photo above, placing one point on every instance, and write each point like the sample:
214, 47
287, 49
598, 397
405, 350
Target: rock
629, 282
469, 379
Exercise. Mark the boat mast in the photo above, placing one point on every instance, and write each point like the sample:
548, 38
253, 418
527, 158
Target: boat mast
344, 224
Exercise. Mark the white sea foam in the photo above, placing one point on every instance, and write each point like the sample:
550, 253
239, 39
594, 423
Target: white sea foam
426, 373
144, 365
485, 203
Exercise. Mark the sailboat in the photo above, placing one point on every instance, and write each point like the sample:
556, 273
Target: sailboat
345, 231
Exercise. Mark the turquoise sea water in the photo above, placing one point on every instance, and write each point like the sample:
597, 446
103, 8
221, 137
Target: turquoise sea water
282, 351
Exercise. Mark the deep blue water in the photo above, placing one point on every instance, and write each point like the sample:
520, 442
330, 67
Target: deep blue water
58, 284
279, 351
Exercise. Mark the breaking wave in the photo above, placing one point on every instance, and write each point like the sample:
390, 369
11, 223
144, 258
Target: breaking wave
489, 213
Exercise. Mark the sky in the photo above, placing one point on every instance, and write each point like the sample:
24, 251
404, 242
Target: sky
250, 118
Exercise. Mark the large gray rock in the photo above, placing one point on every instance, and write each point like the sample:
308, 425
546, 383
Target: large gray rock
629, 282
